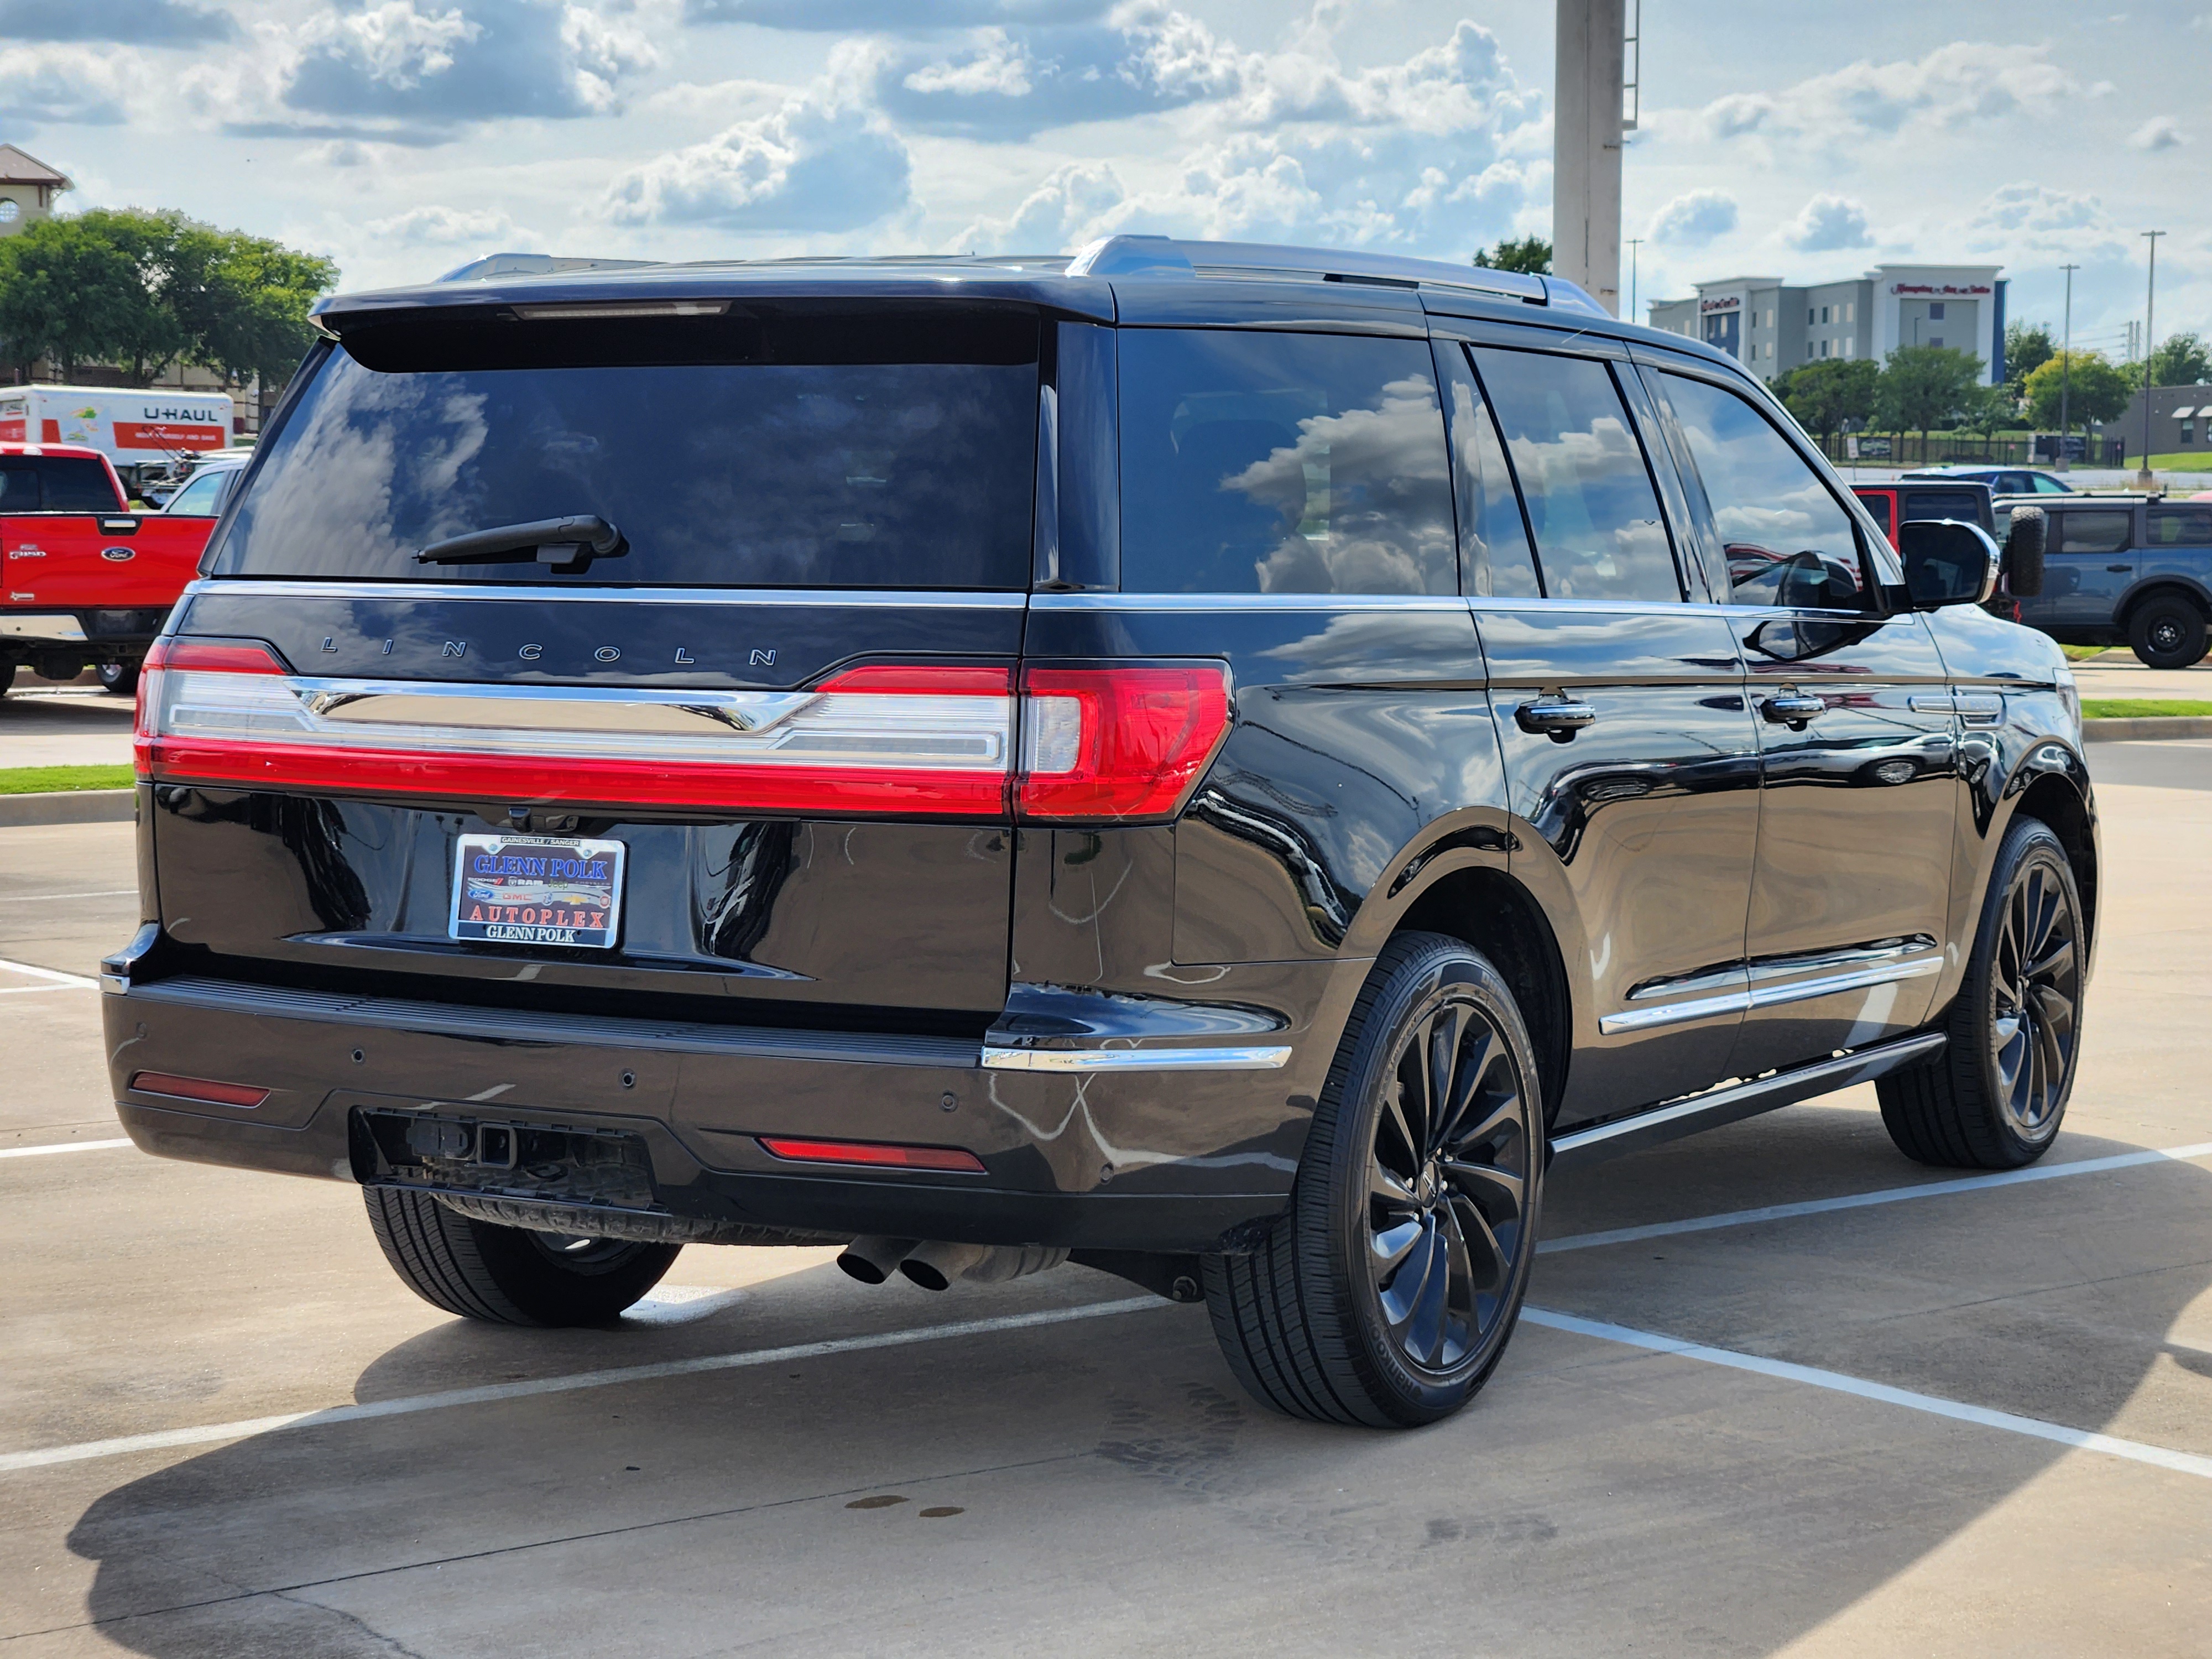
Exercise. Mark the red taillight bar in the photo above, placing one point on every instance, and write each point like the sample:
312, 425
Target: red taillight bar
872, 1153
198, 1088
1119, 744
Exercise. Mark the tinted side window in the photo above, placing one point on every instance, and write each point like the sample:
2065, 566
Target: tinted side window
1258, 463
1879, 506
1789, 540
1494, 558
1599, 534
1964, 505
2091, 531
2181, 526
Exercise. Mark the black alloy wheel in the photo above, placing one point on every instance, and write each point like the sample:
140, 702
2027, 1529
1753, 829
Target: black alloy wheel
2036, 983
1448, 1186
1386, 1295
1995, 1095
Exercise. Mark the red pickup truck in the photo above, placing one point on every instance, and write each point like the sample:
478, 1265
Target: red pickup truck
84, 582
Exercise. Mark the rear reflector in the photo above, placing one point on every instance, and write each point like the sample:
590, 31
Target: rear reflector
1119, 745
198, 1088
875, 1154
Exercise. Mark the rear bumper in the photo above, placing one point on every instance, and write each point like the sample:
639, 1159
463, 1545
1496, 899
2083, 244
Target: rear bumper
1139, 1160
104, 631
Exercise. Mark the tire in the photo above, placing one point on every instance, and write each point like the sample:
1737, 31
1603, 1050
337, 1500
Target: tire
1314, 1324
7, 677
1995, 1095
509, 1275
2167, 631
119, 678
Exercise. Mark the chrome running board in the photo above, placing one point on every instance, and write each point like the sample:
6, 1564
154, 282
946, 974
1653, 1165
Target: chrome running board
1598, 1141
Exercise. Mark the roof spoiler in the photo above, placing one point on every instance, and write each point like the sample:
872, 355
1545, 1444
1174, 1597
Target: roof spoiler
534, 264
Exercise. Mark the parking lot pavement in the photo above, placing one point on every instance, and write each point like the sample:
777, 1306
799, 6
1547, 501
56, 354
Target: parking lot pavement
58, 727
1910, 1412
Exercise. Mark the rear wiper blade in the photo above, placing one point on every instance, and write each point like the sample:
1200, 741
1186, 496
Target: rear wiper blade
564, 544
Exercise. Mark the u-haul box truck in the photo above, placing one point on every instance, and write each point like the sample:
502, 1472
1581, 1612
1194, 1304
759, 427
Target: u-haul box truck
133, 428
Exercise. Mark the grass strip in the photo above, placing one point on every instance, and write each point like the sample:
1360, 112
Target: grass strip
45, 780
2136, 708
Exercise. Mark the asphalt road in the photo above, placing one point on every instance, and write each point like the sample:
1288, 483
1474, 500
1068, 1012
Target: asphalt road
1911, 1414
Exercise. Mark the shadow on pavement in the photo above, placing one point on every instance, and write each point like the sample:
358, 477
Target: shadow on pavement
1106, 1476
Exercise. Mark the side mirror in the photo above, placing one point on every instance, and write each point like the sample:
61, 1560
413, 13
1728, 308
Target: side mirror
1948, 563
2023, 552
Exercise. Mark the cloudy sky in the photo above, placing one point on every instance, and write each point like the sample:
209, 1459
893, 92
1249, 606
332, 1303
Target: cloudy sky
1779, 137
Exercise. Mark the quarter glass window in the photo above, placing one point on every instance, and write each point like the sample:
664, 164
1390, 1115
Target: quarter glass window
2105, 531
1255, 462
2181, 526
1495, 560
1788, 539
1599, 533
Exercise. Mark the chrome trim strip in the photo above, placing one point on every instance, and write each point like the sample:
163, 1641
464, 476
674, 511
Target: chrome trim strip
1247, 602
1688, 984
1738, 1101
790, 597
58, 627
1135, 1060
547, 707
1768, 996
1857, 955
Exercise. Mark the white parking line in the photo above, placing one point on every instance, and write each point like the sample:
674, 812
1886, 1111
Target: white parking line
210, 1433
61, 1146
1935, 1405
1886, 1195
54, 974
48, 898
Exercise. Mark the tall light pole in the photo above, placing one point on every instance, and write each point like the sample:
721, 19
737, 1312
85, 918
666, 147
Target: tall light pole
2066, 374
2150, 298
1634, 243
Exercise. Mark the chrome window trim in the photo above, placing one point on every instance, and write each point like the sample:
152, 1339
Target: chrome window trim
1135, 1060
1444, 602
1755, 997
788, 597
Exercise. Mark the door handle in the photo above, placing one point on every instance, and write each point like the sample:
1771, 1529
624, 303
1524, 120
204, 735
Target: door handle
1793, 708
2119, 569
1558, 720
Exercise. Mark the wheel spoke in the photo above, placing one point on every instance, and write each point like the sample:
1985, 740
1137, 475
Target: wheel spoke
1446, 1027
1425, 1339
1486, 1256
1386, 1188
1394, 1109
1390, 1247
1497, 1193
2058, 959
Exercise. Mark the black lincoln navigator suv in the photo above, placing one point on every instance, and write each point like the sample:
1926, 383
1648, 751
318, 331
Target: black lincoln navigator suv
1230, 764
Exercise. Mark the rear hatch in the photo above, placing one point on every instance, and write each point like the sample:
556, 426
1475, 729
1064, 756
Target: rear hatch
736, 741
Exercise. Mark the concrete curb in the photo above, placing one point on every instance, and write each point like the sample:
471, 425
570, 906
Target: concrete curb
2155, 726
87, 807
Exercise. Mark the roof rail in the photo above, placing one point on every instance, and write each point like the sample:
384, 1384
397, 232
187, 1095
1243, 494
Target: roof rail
534, 264
1166, 256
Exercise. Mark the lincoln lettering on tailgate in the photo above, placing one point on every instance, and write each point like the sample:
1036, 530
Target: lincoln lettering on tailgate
535, 889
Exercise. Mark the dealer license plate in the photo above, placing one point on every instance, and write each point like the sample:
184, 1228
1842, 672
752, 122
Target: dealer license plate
537, 890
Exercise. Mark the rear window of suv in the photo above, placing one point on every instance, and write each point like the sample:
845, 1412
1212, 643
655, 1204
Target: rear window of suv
894, 448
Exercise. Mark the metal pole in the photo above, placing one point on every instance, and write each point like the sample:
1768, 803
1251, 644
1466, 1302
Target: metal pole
1634, 243
2150, 297
2066, 374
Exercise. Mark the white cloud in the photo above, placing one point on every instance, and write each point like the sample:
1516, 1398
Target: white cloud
1966, 80
1694, 218
1829, 223
2160, 132
1000, 65
821, 162
441, 226
83, 85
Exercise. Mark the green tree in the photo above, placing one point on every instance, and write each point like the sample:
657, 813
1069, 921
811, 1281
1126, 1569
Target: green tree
2181, 359
1922, 387
141, 289
68, 293
1825, 393
243, 301
2027, 347
2096, 390
1531, 254
1989, 407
